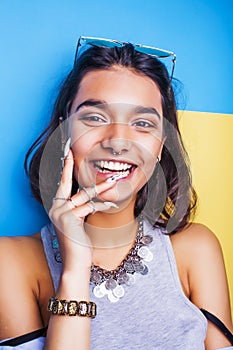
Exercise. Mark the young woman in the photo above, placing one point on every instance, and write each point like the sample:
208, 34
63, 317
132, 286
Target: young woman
120, 264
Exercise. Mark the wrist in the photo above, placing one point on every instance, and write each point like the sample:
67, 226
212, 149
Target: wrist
75, 285
77, 272
72, 263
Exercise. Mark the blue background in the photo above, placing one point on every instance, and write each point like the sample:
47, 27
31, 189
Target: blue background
37, 46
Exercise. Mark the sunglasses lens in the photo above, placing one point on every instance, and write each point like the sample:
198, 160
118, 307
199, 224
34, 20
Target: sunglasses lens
153, 51
100, 42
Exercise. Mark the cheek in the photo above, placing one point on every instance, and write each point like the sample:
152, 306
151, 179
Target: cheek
150, 154
151, 151
80, 151
79, 165
148, 169
82, 141
81, 146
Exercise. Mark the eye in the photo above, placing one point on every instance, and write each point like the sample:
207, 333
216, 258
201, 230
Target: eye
93, 119
144, 125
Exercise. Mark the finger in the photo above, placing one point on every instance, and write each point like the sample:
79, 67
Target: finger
91, 208
86, 194
63, 216
64, 189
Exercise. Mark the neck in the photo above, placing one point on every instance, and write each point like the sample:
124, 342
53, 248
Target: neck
113, 229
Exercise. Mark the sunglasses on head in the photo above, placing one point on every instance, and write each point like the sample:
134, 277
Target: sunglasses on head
145, 49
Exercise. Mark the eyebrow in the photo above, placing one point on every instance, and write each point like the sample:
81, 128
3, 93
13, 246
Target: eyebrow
91, 103
147, 110
103, 105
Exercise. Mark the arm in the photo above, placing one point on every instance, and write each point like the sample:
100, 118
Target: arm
19, 293
65, 332
21, 301
25, 282
208, 281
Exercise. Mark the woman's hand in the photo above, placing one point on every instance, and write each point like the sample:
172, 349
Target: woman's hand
68, 214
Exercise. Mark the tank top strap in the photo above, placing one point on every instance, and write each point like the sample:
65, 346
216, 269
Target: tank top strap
48, 236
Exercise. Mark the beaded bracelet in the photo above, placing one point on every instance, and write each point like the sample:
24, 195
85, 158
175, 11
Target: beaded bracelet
72, 307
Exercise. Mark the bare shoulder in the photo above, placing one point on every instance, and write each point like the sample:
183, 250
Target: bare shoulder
188, 245
21, 251
199, 255
23, 272
24, 242
197, 238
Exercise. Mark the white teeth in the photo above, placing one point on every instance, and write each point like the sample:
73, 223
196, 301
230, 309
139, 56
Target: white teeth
116, 166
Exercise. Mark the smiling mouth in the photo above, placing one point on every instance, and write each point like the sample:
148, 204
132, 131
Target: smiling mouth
110, 167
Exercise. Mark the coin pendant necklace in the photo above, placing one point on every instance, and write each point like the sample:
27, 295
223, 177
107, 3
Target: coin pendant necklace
112, 283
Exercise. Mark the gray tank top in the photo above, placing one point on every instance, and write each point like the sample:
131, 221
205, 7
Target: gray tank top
154, 312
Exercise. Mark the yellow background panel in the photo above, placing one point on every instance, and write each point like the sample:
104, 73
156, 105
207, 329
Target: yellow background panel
208, 138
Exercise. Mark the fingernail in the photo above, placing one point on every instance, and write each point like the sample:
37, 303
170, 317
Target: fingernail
69, 155
67, 148
111, 179
111, 205
116, 177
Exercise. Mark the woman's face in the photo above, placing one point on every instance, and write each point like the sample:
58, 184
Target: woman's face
116, 128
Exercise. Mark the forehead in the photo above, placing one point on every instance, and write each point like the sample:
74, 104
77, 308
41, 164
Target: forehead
119, 85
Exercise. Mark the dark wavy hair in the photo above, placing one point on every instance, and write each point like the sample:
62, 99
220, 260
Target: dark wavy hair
168, 200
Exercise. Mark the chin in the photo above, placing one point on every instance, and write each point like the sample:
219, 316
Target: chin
121, 194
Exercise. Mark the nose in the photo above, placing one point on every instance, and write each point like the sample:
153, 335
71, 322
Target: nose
117, 139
